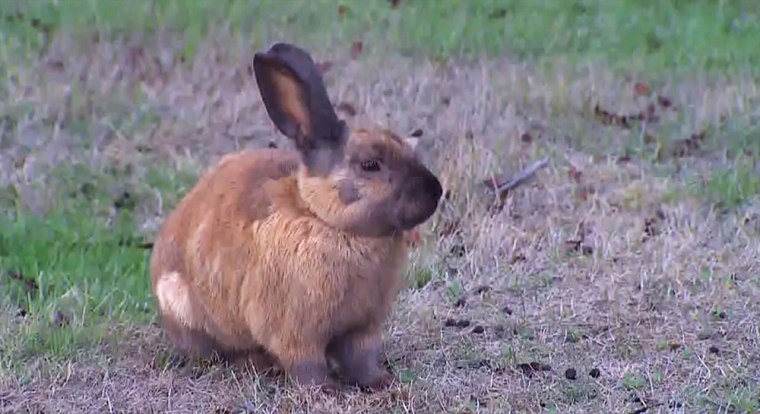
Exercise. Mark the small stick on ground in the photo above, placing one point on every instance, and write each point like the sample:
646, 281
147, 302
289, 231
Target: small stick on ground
520, 178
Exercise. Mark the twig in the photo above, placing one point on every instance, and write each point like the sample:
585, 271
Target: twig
519, 178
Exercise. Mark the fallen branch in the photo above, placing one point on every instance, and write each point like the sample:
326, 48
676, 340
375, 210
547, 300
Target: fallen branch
517, 180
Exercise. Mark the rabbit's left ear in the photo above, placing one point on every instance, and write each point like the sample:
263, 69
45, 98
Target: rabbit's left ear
296, 100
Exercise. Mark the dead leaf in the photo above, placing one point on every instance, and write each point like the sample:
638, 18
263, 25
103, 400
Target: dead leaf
457, 323
137, 243
625, 121
356, 49
33, 21
55, 65
135, 55
664, 101
574, 174
688, 146
498, 13
608, 118
577, 246
530, 367
413, 237
641, 88
650, 228
481, 289
651, 115
342, 10
29, 283
394, 3
517, 257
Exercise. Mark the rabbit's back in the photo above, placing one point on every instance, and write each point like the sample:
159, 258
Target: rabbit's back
232, 193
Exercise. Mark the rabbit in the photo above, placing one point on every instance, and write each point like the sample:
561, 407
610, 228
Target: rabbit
294, 257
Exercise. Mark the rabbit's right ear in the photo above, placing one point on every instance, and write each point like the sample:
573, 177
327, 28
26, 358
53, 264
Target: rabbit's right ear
296, 100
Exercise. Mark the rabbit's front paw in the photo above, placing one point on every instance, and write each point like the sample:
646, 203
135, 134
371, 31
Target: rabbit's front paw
309, 373
361, 368
377, 381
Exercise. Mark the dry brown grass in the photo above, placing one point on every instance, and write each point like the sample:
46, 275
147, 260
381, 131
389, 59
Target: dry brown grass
662, 297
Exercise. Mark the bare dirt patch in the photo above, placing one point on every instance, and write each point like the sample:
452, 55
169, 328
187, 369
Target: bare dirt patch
589, 289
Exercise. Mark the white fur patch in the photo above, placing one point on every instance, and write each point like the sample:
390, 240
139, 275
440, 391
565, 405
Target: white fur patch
413, 142
174, 298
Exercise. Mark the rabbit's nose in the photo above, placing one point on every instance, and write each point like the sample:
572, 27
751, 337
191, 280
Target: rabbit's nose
436, 186
426, 184
426, 191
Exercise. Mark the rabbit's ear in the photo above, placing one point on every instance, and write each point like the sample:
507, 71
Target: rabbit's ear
295, 98
413, 142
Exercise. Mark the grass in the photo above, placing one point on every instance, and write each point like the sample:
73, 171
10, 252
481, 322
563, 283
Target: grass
68, 272
624, 276
628, 34
731, 187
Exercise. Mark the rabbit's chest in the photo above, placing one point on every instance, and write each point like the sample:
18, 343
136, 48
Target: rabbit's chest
317, 275
367, 288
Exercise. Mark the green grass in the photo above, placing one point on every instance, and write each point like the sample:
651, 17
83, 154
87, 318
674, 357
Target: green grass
733, 181
73, 266
730, 187
645, 36
67, 268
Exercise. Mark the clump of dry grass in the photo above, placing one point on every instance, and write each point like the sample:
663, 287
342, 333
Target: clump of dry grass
592, 268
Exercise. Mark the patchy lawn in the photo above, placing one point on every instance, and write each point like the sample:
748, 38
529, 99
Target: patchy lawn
624, 276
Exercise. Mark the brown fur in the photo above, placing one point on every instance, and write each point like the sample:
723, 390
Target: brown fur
295, 255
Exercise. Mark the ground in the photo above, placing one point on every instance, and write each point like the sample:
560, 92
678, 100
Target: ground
623, 277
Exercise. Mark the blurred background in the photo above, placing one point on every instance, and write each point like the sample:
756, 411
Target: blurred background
643, 35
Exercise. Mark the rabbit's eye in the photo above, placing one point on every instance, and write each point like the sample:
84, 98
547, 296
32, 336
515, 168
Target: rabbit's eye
370, 165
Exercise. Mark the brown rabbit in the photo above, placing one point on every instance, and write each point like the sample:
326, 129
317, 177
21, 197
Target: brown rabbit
295, 254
